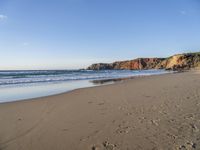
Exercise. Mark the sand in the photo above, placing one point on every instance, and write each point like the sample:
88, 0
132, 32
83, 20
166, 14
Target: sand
149, 113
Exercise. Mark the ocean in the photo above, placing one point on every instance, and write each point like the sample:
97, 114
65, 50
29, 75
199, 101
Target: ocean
27, 84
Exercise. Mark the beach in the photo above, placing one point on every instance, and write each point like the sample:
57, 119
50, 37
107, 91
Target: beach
158, 112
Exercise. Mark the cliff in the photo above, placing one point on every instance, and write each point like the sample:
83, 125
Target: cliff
176, 62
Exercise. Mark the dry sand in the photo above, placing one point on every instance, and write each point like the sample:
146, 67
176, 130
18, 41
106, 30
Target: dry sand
149, 113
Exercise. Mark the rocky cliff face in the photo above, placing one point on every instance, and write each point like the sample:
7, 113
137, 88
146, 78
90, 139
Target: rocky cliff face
180, 61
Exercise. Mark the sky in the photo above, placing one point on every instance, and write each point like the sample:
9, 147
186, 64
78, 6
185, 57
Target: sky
72, 34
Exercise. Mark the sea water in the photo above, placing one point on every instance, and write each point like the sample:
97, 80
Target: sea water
27, 84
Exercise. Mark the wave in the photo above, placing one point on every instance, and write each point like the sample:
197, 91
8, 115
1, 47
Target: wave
49, 76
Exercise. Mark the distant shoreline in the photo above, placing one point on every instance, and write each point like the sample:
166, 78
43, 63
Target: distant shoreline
22, 85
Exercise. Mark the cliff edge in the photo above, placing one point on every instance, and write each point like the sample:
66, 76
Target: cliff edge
175, 62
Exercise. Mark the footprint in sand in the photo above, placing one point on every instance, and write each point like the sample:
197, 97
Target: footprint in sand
123, 129
147, 96
109, 146
19, 119
188, 146
122, 108
189, 116
100, 104
129, 114
104, 146
142, 119
155, 122
194, 128
65, 129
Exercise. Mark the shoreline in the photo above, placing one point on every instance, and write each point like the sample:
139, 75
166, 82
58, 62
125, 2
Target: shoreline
96, 83
152, 112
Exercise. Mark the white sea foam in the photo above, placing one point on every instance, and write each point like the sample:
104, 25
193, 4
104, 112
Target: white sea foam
18, 85
25, 77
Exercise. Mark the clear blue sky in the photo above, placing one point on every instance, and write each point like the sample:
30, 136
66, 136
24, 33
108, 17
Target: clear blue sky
65, 34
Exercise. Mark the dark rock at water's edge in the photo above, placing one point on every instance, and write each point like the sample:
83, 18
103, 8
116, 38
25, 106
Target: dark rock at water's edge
176, 62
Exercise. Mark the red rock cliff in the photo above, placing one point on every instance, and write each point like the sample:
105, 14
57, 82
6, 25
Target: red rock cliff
180, 61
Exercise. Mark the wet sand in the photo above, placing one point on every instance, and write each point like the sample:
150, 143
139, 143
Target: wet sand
150, 113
